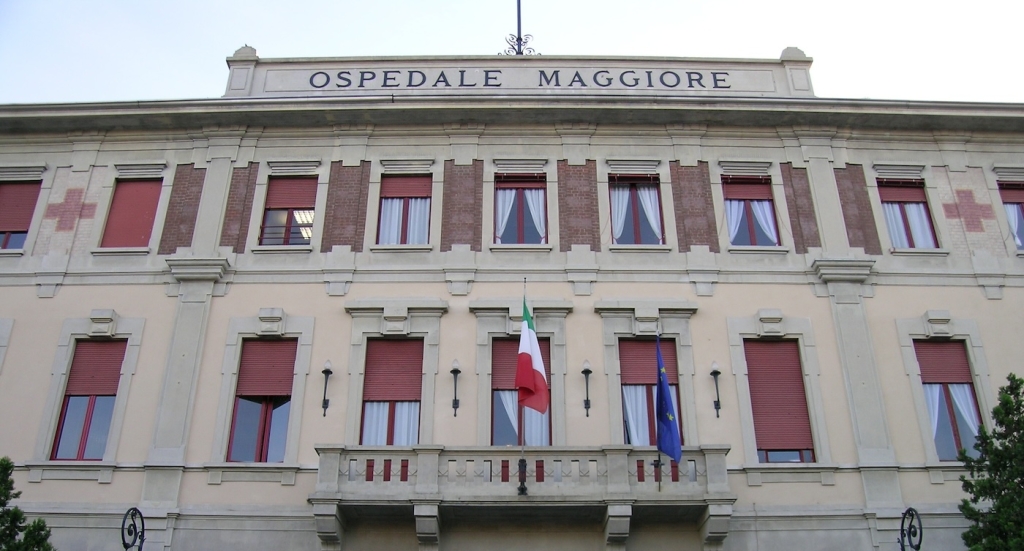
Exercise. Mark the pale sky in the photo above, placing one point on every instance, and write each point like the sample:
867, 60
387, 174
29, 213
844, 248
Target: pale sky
124, 50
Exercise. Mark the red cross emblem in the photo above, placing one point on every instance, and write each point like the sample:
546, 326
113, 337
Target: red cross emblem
967, 209
68, 212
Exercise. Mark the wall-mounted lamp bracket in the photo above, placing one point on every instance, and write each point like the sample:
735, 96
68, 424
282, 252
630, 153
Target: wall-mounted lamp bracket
455, 387
718, 397
586, 380
327, 371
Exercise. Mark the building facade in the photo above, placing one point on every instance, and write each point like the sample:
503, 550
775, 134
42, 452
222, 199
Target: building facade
288, 318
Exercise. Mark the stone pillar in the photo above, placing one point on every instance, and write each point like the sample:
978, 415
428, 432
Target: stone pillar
816, 148
616, 524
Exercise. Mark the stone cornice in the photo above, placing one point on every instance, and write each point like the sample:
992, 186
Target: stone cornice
198, 269
843, 270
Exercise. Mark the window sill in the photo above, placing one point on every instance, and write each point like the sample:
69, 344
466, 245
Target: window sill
276, 249
281, 473
402, 248
1020, 253
769, 473
640, 248
100, 471
743, 249
539, 248
21, 252
120, 251
919, 252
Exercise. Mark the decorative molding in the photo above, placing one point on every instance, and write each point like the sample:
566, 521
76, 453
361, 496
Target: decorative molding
303, 167
519, 165
843, 270
197, 269
102, 323
899, 171
150, 169
633, 166
745, 168
1009, 173
11, 173
272, 322
406, 166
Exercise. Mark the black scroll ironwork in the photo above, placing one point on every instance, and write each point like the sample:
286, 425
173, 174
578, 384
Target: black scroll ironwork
911, 531
133, 529
517, 43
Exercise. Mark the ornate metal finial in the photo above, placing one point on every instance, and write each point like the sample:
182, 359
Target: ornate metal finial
133, 529
911, 530
517, 43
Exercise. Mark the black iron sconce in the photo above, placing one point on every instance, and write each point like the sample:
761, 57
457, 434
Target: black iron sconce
455, 387
522, 477
718, 397
327, 375
586, 379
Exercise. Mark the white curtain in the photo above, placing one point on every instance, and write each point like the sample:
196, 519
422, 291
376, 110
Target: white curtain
419, 221
763, 215
620, 202
920, 226
894, 221
535, 426
535, 201
652, 210
931, 399
390, 222
510, 401
1011, 216
733, 217
407, 423
505, 198
963, 398
375, 423
634, 398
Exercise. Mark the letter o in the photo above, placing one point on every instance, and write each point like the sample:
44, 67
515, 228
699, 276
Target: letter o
667, 85
312, 79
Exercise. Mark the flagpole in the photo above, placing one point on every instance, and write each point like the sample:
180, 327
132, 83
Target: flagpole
522, 429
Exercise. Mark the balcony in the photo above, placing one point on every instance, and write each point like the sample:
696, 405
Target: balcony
610, 484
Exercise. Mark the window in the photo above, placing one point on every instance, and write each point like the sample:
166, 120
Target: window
520, 213
404, 210
17, 203
259, 427
749, 211
1013, 202
636, 210
512, 424
638, 364
288, 211
949, 396
88, 407
782, 427
906, 214
391, 392
132, 212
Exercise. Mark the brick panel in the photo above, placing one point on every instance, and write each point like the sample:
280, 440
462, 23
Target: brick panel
345, 216
236, 214
183, 208
853, 197
694, 207
578, 219
801, 208
462, 213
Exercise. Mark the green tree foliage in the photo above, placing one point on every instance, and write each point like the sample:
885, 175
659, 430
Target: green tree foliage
996, 481
35, 536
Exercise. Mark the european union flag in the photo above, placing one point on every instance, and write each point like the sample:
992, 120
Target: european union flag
667, 426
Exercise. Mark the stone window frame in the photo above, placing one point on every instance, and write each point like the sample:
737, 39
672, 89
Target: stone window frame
907, 171
374, 318
1001, 173
780, 205
404, 167
638, 166
269, 323
939, 324
502, 319
770, 323
101, 324
6, 327
295, 168
29, 173
640, 318
533, 165
149, 170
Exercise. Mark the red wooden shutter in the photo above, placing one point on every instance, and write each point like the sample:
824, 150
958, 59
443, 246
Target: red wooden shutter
943, 361
17, 203
505, 357
901, 191
638, 361
639, 179
394, 370
95, 368
756, 188
777, 395
132, 211
291, 193
405, 186
1010, 192
521, 181
266, 367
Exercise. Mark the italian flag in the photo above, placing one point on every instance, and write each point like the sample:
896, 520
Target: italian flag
530, 378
